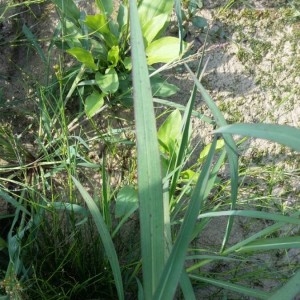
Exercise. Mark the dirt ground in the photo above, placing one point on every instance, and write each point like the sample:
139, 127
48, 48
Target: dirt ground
253, 73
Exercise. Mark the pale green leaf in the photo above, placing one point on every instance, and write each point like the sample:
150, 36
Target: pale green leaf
93, 104
150, 191
108, 82
97, 22
204, 152
164, 50
127, 201
152, 28
113, 55
149, 9
170, 131
83, 56
282, 134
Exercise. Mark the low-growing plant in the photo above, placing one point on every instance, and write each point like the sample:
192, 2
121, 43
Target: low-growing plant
100, 42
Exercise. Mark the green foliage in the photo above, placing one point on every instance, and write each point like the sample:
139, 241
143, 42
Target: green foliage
101, 43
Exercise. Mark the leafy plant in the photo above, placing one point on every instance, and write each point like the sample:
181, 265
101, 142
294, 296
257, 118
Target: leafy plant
101, 44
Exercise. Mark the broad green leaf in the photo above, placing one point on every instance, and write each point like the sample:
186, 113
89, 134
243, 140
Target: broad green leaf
109, 82
84, 57
199, 22
98, 23
282, 134
152, 28
127, 200
149, 9
150, 192
164, 50
114, 56
204, 152
161, 88
127, 63
93, 104
170, 131
290, 290
107, 242
272, 243
189, 175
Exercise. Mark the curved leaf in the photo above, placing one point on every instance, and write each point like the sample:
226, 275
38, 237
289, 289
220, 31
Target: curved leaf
164, 50
282, 134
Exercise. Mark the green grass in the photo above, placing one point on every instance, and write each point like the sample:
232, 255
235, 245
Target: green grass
104, 207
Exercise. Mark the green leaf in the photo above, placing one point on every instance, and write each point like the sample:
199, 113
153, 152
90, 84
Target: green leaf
170, 131
199, 22
272, 243
150, 190
84, 57
161, 88
282, 134
107, 242
98, 23
109, 82
127, 63
3, 244
152, 28
205, 151
114, 55
164, 50
233, 287
149, 9
105, 6
175, 263
290, 290
69, 10
93, 104
127, 201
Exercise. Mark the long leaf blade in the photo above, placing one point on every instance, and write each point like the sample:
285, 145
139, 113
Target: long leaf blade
149, 169
283, 134
105, 237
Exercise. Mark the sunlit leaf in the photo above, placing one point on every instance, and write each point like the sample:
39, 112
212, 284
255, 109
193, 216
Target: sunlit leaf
127, 201
83, 56
282, 134
108, 82
93, 104
164, 50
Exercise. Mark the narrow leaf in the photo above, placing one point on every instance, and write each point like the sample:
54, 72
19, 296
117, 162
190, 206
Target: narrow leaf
105, 237
282, 134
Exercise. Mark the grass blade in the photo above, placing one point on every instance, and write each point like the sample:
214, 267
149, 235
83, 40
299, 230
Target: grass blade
283, 134
105, 237
149, 169
229, 146
290, 290
174, 267
234, 287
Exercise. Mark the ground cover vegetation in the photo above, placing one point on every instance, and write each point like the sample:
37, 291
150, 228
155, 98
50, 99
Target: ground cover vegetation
98, 206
